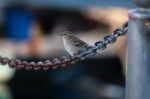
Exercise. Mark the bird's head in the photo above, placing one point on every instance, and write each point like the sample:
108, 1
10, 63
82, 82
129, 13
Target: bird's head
66, 34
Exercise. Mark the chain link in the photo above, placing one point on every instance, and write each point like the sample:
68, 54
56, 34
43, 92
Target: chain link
64, 60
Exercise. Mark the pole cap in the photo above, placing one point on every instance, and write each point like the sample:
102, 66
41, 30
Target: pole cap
143, 3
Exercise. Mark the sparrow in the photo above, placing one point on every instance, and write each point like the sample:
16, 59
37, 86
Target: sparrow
73, 44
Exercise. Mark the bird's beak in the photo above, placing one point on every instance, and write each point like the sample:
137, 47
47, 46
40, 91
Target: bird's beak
61, 34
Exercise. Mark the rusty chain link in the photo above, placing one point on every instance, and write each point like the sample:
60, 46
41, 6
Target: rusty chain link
64, 60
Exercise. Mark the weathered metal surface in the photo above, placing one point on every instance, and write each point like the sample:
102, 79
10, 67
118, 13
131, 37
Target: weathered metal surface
138, 59
143, 3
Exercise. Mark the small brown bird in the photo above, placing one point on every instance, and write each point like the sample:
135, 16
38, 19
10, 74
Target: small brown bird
73, 44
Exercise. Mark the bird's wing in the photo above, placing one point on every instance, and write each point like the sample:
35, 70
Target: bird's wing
79, 43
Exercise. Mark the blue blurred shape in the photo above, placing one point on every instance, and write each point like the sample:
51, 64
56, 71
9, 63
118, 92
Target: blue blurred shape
18, 22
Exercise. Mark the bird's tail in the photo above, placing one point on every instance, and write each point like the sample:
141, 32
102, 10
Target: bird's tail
96, 52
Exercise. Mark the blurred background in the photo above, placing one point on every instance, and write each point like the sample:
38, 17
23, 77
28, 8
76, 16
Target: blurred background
29, 30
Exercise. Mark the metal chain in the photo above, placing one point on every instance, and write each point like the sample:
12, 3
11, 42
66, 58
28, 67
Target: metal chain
64, 60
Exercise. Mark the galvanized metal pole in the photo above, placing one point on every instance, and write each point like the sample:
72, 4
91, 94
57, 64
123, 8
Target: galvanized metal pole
138, 62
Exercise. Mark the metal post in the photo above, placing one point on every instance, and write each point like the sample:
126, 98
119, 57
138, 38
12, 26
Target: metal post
138, 62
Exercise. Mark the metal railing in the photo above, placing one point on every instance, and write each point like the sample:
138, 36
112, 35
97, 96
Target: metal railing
64, 60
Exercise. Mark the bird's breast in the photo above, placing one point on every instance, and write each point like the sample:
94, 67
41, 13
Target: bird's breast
69, 46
